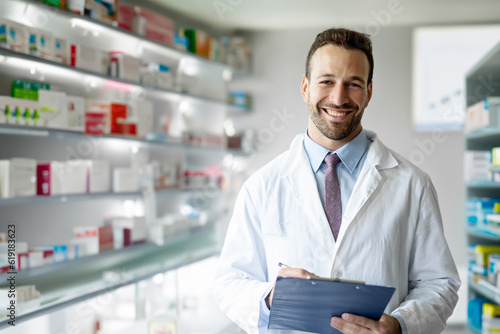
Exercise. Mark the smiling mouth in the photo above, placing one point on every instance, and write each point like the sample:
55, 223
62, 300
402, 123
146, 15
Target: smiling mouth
336, 113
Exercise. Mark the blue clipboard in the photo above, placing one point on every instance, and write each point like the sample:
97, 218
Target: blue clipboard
309, 304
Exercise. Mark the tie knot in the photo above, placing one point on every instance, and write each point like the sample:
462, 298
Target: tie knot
332, 160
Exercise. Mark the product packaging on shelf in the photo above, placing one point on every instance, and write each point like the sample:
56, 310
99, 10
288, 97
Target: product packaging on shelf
485, 113
17, 178
61, 51
125, 180
136, 225
28, 90
41, 43
146, 23
76, 113
97, 239
89, 59
216, 50
53, 109
143, 114
47, 254
76, 6
124, 66
157, 75
238, 53
477, 165
167, 176
101, 10
19, 111
13, 36
198, 41
56, 3
181, 42
240, 99
118, 113
99, 176
62, 177
97, 118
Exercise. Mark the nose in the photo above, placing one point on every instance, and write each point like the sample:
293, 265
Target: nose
338, 95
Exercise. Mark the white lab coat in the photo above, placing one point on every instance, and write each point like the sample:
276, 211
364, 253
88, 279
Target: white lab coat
391, 235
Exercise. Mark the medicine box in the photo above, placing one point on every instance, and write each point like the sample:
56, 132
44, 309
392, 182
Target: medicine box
154, 26
125, 180
199, 41
13, 36
118, 114
101, 10
62, 178
53, 109
485, 113
124, 66
76, 113
96, 238
136, 225
41, 43
17, 178
28, 90
99, 176
97, 117
61, 51
89, 59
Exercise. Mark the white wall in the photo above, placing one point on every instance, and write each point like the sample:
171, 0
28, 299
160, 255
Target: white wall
279, 59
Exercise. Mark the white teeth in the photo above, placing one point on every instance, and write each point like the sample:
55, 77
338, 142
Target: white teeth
333, 113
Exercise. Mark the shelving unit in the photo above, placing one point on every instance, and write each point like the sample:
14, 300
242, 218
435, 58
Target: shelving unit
43, 220
481, 82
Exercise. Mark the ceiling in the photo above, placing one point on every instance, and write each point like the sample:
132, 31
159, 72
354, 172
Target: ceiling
299, 14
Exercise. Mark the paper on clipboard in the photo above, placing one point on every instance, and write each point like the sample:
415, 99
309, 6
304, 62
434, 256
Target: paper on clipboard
309, 304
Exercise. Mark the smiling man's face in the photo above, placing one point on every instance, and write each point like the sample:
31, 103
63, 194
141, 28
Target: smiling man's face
337, 94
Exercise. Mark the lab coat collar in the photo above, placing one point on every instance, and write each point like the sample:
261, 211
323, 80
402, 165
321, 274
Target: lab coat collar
378, 155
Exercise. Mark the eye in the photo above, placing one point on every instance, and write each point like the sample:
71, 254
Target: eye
326, 82
352, 84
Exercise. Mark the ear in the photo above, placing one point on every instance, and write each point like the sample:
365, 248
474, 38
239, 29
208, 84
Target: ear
304, 88
369, 94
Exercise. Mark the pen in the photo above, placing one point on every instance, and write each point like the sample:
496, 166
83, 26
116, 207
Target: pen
282, 265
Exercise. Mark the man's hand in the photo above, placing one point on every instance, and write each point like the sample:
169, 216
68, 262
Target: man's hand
288, 272
350, 323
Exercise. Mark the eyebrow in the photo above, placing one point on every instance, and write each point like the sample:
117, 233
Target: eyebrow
330, 75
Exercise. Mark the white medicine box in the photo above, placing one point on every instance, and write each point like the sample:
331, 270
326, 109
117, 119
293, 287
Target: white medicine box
17, 178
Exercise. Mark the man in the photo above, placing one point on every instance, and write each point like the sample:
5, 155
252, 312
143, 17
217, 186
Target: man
372, 216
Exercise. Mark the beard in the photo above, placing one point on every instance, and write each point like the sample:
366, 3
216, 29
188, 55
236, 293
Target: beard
331, 129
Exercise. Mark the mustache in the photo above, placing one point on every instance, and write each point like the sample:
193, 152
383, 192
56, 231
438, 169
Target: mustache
341, 107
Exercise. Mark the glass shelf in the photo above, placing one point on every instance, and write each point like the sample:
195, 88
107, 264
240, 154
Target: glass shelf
5, 53
134, 37
483, 133
483, 184
485, 289
26, 130
483, 233
65, 283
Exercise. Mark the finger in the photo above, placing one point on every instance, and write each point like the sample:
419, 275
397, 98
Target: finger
361, 321
295, 272
347, 327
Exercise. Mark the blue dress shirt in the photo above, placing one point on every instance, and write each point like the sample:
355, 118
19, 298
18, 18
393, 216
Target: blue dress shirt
352, 155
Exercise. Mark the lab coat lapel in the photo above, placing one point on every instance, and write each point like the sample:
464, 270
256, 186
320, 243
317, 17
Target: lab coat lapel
300, 178
379, 157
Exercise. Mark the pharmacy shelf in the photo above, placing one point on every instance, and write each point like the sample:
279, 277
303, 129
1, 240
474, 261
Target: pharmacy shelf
482, 79
5, 54
65, 283
32, 200
485, 289
134, 37
483, 184
25, 130
483, 233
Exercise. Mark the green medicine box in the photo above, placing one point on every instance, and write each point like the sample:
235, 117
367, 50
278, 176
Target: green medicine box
27, 90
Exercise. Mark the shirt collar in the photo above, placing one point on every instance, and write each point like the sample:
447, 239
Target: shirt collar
350, 154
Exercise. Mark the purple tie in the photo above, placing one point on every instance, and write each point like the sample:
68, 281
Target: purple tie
333, 204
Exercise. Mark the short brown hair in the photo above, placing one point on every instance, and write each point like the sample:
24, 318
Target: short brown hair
346, 38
